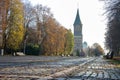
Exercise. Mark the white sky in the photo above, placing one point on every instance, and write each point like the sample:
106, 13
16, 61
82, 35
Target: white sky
90, 13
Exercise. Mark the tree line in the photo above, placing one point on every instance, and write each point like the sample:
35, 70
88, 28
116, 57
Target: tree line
33, 30
94, 50
112, 35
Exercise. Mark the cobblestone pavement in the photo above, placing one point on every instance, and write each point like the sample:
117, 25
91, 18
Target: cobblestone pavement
57, 68
98, 69
37, 67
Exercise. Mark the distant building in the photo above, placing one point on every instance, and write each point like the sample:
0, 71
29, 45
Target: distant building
85, 45
78, 37
85, 48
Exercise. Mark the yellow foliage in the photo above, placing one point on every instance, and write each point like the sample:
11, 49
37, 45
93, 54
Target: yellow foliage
15, 25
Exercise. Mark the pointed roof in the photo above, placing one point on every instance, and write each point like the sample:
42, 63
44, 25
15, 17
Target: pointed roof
77, 19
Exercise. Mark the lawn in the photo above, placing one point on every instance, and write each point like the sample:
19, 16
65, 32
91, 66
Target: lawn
116, 61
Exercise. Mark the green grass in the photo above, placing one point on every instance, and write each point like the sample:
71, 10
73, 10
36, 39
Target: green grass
115, 62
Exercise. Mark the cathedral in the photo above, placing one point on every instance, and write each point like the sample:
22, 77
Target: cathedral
78, 37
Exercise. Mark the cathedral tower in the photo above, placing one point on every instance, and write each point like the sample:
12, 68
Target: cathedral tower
78, 38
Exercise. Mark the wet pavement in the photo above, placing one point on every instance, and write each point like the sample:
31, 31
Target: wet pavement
99, 69
35, 67
57, 68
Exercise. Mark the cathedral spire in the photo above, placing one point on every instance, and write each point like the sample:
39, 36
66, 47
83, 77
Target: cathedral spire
78, 37
77, 19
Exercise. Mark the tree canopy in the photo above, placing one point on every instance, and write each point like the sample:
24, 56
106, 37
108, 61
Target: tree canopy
35, 28
98, 50
112, 39
15, 28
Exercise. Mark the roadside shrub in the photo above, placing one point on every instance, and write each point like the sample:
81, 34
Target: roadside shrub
32, 49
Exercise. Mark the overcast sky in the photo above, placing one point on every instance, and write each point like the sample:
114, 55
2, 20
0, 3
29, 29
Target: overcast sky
90, 13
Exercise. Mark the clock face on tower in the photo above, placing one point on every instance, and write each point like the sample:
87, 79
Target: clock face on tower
77, 30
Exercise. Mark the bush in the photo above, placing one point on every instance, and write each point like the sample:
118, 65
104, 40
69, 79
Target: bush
32, 49
77, 52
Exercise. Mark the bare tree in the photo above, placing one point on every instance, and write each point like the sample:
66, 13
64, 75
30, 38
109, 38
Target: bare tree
42, 14
112, 39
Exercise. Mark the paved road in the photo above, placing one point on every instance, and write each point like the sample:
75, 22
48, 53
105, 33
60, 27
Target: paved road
98, 69
57, 68
36, 67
